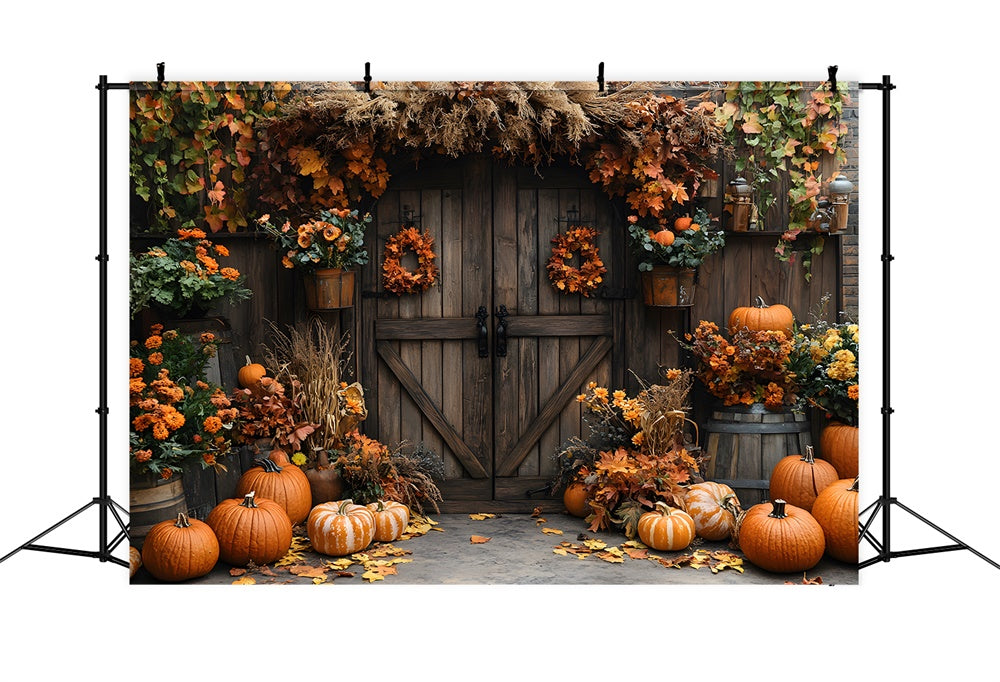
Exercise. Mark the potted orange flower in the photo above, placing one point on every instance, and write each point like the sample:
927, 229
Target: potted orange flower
325, 248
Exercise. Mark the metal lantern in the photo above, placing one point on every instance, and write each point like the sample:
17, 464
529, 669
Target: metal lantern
740, 199
840, 193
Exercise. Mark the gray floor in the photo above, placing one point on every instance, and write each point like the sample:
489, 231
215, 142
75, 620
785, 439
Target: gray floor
518, 552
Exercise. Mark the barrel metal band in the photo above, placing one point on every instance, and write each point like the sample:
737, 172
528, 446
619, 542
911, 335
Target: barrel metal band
756, 427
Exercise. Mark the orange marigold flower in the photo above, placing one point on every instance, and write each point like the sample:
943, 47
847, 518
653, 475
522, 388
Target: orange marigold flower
232, 274
601, 394
219, 399
135, 367
200, 252
166, 473
160, 431
154, 342
155, 329
196, 438
221, 250
286, 262
673, 374
170, 335
156, 358
212, 424
211, 265
201, 384
852, 391
209, 458
207, 337
188, 266
143, 455
136, 386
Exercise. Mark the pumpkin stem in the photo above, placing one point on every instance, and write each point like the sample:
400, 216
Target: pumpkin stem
854, 486
778, 510
182, 520
249, 361
760, 303
248, 501
342, 509
810, 456
268, 465
663, 508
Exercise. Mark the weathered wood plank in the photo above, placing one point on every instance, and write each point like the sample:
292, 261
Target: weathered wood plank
410, 421
430, 308
430, 410
569, 347
451, 307
387, 308
451, 328
547, 210
528, 281
559, 325
554, 406
506, 378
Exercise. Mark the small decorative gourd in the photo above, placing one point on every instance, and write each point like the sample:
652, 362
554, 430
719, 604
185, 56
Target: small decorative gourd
250, 373
340, 528
287, 485
180, 550
391, 519
714, 508
252, 529
836, 511
666, 528
798, 479
781, 537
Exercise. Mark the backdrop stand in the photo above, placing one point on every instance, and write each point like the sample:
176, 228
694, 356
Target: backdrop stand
886, 501
103, 501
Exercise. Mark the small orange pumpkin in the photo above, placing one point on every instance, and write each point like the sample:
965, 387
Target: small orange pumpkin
180, 550
836, 511
664, 237
250, 373
340, 528
682, 224
285, 484
666, 528
762, 317
575, 499
838, 444
391, 519
714, 508
798, 479
781, 537
252, 529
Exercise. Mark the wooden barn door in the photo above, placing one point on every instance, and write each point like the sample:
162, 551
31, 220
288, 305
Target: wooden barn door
496, 420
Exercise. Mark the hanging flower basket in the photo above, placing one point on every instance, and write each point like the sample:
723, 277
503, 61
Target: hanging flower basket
329, 289
668, 287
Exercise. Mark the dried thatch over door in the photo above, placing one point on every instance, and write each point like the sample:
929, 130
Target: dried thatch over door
495, 421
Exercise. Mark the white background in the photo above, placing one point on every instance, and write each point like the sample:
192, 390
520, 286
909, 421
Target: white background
920, 617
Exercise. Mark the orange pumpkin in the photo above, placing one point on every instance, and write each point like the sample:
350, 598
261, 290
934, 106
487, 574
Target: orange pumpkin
252, 529
134, 561
287, 485
682, 224
340, 528
762, 317
391, 519
180, 550
666, 528
250, 373
664, 237
781, 537
838, 444
836, 511
575, 499
798, 479
714, 508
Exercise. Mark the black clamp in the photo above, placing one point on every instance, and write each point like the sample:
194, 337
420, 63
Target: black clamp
368, 77
600, 77
832, 71
160, 68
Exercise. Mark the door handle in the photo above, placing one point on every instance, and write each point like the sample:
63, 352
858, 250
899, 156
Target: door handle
501, 339
482, 332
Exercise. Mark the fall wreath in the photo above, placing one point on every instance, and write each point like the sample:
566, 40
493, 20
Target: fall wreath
585, 278
395, 277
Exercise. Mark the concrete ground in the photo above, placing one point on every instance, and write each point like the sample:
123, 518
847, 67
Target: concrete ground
518, 553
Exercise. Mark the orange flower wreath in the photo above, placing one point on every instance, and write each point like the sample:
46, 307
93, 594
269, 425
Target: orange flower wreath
395, 277
585, 278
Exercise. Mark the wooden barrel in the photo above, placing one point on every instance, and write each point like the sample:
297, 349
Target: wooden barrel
151, 500
744, 443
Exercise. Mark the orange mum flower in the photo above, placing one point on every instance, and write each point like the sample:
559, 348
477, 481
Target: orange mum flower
156, 358
232, 274
154, 342
166, 473
852, 391
210, 264
221, 250
212, 424
135, 367
188, 266
143, 455
160, 431
207, 337
155, 329
673, 374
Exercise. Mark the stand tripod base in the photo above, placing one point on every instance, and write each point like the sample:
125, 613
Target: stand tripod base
883, 548
106, 504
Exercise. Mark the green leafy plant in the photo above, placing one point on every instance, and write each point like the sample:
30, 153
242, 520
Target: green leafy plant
687, 248
334, 239
182, 274
826, 361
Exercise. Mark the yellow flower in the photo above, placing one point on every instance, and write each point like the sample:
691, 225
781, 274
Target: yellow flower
601, 394
580, 398
592, 384
841, 371
673, 374
844, 356
832, 340
299, 459
637, 439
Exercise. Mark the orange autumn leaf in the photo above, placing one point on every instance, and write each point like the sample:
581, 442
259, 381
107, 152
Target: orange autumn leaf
479, 539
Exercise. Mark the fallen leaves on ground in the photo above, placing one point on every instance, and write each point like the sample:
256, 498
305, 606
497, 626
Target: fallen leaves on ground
483, 517
295, 553
479, 539
536, 512
633, 549
715, 561
245, 580
419, 525
552, 531
807, 581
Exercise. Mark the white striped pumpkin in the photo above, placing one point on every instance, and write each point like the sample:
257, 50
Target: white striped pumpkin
711, 506
391, 519
340, 528
666, 528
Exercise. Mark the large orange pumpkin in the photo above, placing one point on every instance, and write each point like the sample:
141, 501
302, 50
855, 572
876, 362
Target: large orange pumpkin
340, 528
798, 479
714, 507
781, 537
252, 529
575, 499
391, 519
287, 485
666, 528
762, 317
838, 444
836, 511
180, 550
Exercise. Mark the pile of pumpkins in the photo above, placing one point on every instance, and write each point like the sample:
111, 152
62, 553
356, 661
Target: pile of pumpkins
256, 526
813, 512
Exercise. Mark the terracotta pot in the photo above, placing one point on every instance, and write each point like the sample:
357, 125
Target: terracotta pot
329, 289
668, 286
325, 481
